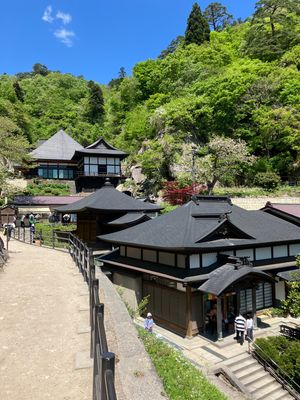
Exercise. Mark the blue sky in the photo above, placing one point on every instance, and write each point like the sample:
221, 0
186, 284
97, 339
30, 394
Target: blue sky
93, 38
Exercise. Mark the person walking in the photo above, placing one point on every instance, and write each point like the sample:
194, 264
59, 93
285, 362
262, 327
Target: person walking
240, 328
148, 323
249, 330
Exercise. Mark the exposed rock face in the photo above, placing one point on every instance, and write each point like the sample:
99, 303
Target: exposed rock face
137, 174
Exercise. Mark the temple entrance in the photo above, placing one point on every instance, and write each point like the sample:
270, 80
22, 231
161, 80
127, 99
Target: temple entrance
229, 312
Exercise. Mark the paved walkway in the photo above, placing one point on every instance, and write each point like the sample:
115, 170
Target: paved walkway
41, 296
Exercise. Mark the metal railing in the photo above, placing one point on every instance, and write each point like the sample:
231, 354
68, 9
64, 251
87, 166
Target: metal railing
103, 360
276, 371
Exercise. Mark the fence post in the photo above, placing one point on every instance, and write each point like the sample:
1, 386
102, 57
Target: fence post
24, 234
53, 239
107, 363
91, 275
41, 237
18, 232
95, 309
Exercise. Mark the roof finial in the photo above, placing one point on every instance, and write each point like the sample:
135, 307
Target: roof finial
107, 183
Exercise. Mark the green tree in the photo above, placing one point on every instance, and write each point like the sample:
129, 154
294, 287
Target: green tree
175, 43
197, 30
292, 302
274, 29
13, 148
40, 69
217, 16
96, 110
222, 156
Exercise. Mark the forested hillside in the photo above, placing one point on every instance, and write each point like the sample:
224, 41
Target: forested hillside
241, 81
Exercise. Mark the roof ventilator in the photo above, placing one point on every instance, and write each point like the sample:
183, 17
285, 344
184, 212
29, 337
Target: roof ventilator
239, 262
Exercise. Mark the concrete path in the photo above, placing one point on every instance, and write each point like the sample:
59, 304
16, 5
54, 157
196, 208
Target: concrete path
42, 351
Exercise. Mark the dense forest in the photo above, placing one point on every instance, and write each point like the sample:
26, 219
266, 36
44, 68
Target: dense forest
223, 85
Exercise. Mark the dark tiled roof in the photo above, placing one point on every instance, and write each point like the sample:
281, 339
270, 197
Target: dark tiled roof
100, 148
108, 199
197, 226
290, 276
293, 209
44, 200
226, 275
129, 219
59, 147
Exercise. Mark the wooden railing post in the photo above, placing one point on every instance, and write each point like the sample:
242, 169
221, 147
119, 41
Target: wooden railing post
95, 309
107, 362
24, 234
53, 239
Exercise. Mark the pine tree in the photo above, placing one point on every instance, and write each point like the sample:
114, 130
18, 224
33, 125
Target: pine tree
197, 30
217, 16
96, 103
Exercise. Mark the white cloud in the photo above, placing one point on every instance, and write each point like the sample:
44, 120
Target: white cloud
47, 16
66, 18
66, 37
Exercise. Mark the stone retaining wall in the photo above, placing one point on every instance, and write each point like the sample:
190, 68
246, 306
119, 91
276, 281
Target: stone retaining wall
255, 203
136, 378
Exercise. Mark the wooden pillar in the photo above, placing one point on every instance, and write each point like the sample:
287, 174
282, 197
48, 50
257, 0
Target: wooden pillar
189, 329
219, 318
254, 306
238, 302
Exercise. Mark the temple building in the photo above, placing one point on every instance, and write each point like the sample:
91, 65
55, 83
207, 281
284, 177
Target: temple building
107, 210
207, 254
62, 158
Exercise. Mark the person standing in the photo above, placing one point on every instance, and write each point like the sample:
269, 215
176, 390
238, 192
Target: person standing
249, 330
240, 328
31, 219
148, 323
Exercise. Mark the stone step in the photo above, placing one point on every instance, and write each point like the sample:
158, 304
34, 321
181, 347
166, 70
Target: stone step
282, 395
268, 391
260, 383
242, 365
257, 376
247, 371
236, 359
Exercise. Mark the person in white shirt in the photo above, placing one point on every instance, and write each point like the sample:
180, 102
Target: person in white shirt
240, 328
249, 330
148, 323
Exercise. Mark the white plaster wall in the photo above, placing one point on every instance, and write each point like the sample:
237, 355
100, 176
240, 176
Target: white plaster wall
134, 252
130, 287
149, 255
280, 251
181, 260
208, 259
194, 261
263, 253
279, 290
294, 249
166, 258
245, 253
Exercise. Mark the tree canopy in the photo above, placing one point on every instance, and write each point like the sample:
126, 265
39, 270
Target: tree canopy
243, 84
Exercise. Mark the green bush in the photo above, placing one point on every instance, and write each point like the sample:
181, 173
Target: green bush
285, 352
181, 379
267, 180
38, 188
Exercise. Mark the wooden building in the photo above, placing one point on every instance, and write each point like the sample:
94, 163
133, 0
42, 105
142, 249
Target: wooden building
107, 210
207, 253
7, 214
62, 158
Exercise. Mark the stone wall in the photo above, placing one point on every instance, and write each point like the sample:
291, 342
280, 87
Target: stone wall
256, 203
136, 378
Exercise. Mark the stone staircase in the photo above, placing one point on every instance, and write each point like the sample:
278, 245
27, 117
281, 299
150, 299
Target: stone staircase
254, 381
